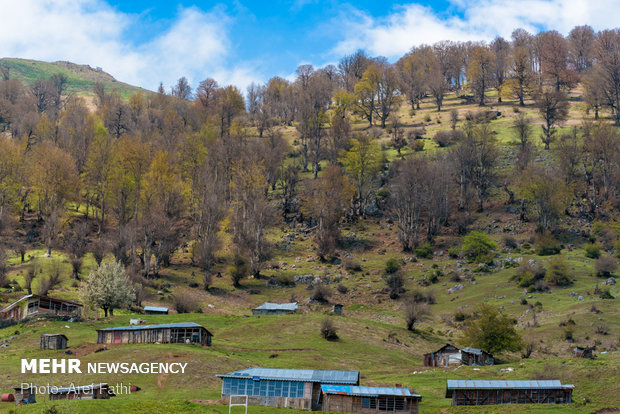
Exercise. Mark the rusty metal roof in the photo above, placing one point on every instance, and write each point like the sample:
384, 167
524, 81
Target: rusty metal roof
161, 326
366, 391
506, 385
299, 375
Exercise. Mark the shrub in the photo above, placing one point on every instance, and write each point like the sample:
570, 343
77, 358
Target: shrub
569, 332
454, 252
392, 265
184, 303
557, 274
395, 282
491, 330
460, 316
547, 244
443, 138
238, 270
605, 266
321, 294
419, 296
414, 313
606, 294
528, 274
425, 251
328, 330
416, 133
593, 251
510, 242
417, 145
352, 265
477, 246
342, 289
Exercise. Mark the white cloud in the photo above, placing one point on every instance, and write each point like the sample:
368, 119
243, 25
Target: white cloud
413, 24
195, 44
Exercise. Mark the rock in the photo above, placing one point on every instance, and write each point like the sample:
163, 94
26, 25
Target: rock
573, 294
160, 293
509, 369
382, 251
456, 288
611, 281
304, 279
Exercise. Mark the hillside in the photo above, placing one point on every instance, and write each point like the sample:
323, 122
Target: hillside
80, 78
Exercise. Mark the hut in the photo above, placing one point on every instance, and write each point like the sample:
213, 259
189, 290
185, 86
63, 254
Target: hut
268, 308
155, 310
171, 333
474, 356
337, 309
25, 395
37, 305
478, 392
86, 392
53, 341
367, 400
450, 356
286, 388
584, 352
447, 355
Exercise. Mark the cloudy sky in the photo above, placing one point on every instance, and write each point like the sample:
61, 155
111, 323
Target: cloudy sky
144, 42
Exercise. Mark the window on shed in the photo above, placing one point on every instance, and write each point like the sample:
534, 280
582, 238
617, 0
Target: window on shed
285, 388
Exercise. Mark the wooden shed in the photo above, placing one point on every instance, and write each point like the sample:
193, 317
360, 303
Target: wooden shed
584, 352
479, 392
85, 392
53, 341
285, 388
25, 395
443, 357
171, 333
269, 308
37, 305
155, 310
474, 356
367, 400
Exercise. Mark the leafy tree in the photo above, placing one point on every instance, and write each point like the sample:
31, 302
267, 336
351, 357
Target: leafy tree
481, 71
558, 273
477, 246
108, 287
491, 330
362, 163
553, 107
547, 194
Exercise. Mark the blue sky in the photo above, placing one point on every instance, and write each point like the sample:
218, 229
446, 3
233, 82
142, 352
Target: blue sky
144, 42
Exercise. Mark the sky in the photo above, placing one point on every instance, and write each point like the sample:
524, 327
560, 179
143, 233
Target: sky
145, 42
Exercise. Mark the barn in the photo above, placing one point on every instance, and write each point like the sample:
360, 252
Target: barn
37, 305
286, 388
171, 333
367, 400
155, 310
449, 356
269, 308
85, 392
479, 392
53, 341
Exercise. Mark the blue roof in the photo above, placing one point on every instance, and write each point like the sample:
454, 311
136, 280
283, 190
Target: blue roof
162, 326
301, 375
155, 309
366, 391
278, 306
497, 384
54, 390
472, 350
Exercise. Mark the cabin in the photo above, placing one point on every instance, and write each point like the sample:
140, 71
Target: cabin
268, 308
86, 392
451, 356
53, 341
367, 400
25, 395
37, 305
284, 388
171, 333
479, 392
584, 352
155, 310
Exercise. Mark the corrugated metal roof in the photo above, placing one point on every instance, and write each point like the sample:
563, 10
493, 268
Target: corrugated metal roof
499, 384
91, 387
472, 350
366, 391
278, 306
54, 335
155, 308
302, 375
38, 296
161, 326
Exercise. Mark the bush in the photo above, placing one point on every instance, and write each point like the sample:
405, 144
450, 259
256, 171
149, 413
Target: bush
417, 133
328, 330
392, 265
547, 244
321, 294
443, 138
593, 251
510, 242
414, 313
184, 303
454, 252
425, 251
352, 265
477, 246
395, 282
557, 274
528, 274
419, 296
460, 316
342, 289
238, 270
606, 294
417, 145
491, 330
605, 266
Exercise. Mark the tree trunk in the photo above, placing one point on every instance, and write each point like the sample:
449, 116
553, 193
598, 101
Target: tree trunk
105, 312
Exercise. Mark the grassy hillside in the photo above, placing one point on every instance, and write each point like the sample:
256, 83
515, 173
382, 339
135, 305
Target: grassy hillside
80, 78
373, 338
